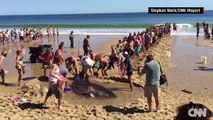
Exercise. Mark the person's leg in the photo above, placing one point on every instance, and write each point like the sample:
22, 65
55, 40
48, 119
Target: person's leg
157, 102
102, 72
90, 70
85, 49
45, 70
59, 103
2, 75
130, 82
149, 101
23, 70
72, 43
156, 92
46, 98
148, 95
19, 77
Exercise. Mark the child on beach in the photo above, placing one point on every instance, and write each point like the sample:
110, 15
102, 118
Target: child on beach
20, 66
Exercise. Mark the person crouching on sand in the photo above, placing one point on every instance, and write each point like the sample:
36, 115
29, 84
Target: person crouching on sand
47, 59
20, 65
2, 71
56, 82
71, 64
104, 62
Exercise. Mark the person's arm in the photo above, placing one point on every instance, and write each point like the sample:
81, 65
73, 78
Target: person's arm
67, 60
161, 71
1, 60
75, 67
143, 71
41, 56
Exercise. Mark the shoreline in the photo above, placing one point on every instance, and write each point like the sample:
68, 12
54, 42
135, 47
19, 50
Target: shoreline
79, 25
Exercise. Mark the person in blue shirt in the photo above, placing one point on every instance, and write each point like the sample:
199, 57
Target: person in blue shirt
152, 85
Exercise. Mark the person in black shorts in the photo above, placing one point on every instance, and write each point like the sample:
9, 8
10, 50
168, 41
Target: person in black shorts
54, 82
128, 69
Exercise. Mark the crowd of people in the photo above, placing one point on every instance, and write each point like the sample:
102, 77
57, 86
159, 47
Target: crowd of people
208, 31
121, 55
26, 34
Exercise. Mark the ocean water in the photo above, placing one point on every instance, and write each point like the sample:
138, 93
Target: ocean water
184, 21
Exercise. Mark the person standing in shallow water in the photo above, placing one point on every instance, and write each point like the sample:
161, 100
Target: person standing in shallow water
198, 29
71, 37
86, 45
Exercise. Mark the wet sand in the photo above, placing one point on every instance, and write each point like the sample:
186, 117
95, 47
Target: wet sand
34, 70
134, 107
189, 67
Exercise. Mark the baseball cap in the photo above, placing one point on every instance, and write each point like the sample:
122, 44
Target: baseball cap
126, 53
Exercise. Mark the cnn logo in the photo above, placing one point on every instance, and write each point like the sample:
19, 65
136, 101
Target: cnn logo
197, 112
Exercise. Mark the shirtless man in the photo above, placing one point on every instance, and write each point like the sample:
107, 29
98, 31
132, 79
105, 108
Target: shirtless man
2, 71
57, 31
86, 45
92, 55
113, 57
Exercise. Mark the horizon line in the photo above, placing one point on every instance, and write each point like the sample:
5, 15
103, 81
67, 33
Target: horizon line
81, 13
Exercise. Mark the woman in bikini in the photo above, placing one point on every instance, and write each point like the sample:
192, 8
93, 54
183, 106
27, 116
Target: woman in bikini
20, 65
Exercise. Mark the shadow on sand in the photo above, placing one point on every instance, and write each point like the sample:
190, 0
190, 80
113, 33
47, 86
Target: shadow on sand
28, 78
125, 111
9, 84
123, 80
27, 62
29, 105
205, 69
43, 78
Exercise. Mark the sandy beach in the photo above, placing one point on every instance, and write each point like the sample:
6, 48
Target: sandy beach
127, 105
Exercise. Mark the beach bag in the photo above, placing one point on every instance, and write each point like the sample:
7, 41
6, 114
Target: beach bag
163, 79
61, 82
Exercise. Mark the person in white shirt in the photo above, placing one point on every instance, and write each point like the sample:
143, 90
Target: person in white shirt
21, 35
56, 82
